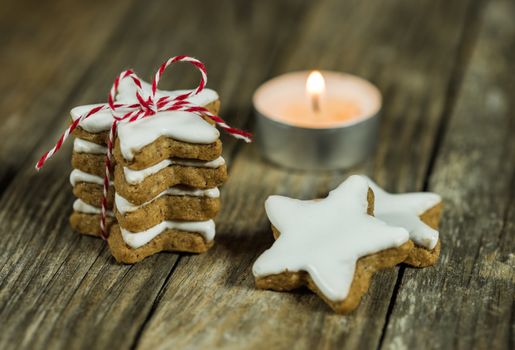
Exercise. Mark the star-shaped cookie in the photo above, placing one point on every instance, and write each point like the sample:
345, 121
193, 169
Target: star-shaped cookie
332, 245
419, 213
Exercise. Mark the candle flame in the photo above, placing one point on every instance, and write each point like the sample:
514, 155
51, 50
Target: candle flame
315, 84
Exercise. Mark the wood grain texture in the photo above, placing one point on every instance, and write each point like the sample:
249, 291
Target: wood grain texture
466, 302
61, 290
215, 293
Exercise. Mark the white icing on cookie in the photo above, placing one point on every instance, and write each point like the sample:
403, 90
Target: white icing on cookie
137, 176
127, 91
404, 210
77, 176
82, 207
124, 206
178, 125
83, 146
326, 237
102, 120
139, 239
98, 122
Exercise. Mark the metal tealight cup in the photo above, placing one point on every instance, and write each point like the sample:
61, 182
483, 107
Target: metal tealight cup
328, 148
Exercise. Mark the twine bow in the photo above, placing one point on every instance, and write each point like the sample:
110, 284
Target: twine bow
145, 107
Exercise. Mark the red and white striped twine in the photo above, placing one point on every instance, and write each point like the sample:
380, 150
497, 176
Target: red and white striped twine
146, 107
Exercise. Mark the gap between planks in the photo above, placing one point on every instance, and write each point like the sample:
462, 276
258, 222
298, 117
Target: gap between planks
469, 35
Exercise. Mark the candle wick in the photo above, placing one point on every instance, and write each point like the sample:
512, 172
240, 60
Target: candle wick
315, 103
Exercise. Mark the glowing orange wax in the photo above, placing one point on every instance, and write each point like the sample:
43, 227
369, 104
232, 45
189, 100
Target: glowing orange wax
331, 112
338, 100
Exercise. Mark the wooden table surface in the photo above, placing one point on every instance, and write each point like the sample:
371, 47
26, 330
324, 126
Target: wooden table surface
447, 73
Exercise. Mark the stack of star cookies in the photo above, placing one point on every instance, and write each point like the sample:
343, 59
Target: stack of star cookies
90, 149
167, 173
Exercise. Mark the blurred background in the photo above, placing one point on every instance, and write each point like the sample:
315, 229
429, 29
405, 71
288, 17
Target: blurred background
64, 53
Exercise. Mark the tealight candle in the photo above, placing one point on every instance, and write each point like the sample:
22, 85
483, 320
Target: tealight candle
317, 120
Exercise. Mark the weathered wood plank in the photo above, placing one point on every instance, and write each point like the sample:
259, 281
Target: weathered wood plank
59, 290
466, 301
210, 301
46, 53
